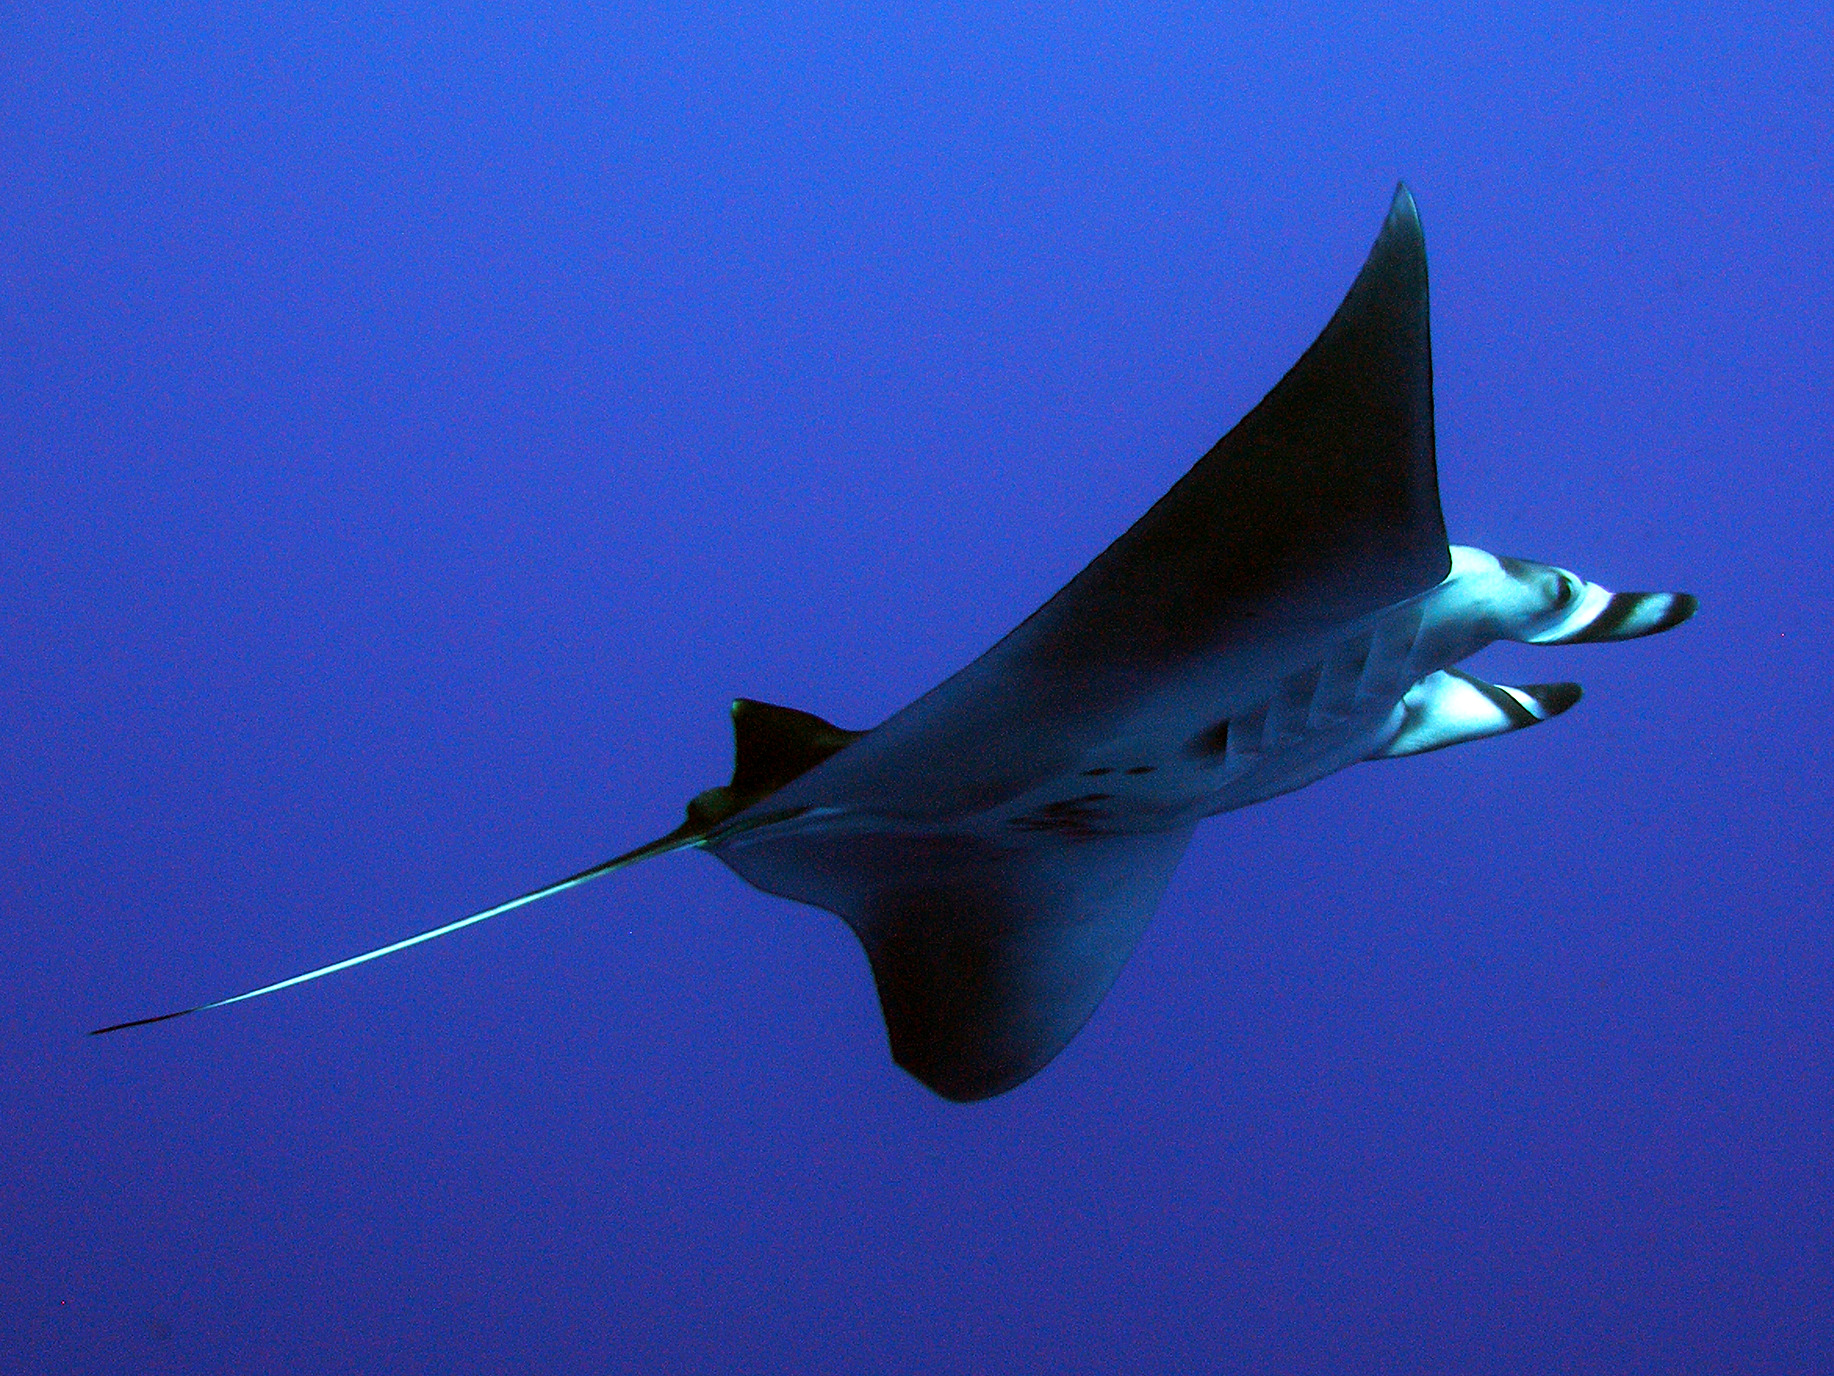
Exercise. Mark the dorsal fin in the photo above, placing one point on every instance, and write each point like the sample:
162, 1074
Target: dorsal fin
772, 745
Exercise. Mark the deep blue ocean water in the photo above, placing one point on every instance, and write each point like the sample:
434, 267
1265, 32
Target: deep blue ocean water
417, 423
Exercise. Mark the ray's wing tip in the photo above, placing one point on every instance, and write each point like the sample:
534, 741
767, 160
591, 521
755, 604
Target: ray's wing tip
1403, 214
962, 1084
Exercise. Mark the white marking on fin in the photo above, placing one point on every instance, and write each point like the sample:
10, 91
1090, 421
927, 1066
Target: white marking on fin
1584, 612
1452, 707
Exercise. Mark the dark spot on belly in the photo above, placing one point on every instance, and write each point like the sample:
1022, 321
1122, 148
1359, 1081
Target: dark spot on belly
1073, 817
1209, 742
1097, 773
1143, 769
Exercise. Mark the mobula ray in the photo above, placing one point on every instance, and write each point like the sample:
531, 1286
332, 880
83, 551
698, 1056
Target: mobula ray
1290, 607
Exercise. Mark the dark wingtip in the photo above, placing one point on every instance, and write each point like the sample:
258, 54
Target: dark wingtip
1399, 251
1552, 698
965, 1084
140, 1022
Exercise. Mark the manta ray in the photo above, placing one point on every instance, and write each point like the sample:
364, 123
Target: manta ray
1289, 608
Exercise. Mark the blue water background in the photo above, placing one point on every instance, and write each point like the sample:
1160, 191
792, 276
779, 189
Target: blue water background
417, 422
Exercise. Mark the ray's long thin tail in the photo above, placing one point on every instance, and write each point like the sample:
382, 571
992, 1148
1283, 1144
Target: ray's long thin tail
686, 835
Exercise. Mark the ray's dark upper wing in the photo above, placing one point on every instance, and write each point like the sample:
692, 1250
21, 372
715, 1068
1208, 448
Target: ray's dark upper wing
1322, 505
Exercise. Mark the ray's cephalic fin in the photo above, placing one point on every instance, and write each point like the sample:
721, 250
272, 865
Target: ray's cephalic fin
771, 746
1451, 707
